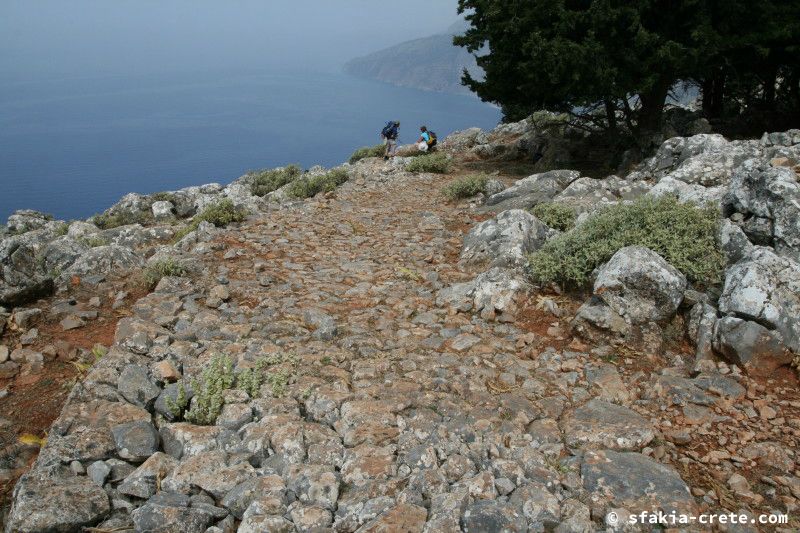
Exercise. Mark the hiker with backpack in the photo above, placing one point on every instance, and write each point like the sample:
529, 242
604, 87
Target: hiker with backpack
389, 135
427, 140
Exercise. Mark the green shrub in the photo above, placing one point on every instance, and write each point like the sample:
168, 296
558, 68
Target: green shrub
93, 241
683, 234
220, 214
62, 229
162, 268
437, 162
368, 151
219, 376
267, 181
123, 218
161, 197
555, 215
208, 391
465, 187
306, 187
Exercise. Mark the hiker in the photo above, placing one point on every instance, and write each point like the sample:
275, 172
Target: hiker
389, 135
427, 140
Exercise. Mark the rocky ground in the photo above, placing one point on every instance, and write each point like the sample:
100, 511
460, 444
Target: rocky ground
415, 380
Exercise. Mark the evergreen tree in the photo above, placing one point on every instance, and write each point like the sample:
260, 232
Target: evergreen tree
610, 58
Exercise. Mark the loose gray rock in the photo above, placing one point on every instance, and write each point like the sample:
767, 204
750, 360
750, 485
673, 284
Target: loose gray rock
59, 503
640, 285
600, 424
484, 515
162, 514
136, 441
135, 386
750, 345
773, 194
532, 190
765, 288
505, 240
634, 482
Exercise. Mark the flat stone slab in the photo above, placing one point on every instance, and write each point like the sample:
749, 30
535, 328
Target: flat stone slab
600, 424
634, 482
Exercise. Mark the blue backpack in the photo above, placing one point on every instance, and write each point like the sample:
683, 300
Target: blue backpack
390, 130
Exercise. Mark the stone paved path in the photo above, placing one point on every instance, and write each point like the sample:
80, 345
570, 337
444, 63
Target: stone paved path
397, 414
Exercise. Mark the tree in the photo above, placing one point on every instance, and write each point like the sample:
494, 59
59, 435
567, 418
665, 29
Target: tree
604, 59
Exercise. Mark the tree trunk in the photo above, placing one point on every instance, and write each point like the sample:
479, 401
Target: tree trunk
653, 107
611, 114
713, 89
769, 90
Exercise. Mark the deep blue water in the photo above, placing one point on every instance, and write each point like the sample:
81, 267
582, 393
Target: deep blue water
73, 147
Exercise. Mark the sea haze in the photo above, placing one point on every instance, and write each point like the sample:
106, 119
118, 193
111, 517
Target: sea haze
101, 98
73, 147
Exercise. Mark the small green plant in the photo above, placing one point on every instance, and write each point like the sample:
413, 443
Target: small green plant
208, 398
267, 181
368, 151
162, 268
93, 241
219, 376
682, 233
408, 274
251, 379
179, 404
325, 360
278, 382
122, 218
437, 163
162, 197
307, 187
555, 215
465, 187
220, 214
62, 229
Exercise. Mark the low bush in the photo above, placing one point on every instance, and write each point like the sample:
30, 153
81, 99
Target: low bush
122, 218
220, 214
162, 196
368, 151
93, 241
219, 376
267, 181
465, 187
307, 187
165, 267
555, 215
437, 163
683, 234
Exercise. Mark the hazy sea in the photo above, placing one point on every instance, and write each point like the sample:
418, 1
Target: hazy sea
73, 147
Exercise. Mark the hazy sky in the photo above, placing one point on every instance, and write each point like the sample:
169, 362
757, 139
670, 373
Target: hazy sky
44, 38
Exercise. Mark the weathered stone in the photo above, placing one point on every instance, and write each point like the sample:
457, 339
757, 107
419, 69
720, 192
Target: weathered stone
56, 504
484, 515
210, 471
164, 514
765, 288
532, 190
239, 498
772, 194
402, 517
639, 285
634, 482
143, 482
750, 345
600, 424
539, 506
136, 441
135, 386
504, 241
